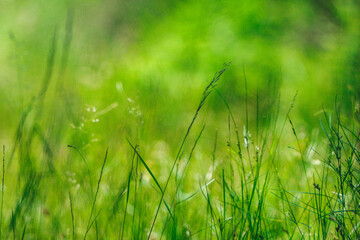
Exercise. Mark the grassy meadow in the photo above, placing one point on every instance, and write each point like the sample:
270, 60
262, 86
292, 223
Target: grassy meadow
180, 119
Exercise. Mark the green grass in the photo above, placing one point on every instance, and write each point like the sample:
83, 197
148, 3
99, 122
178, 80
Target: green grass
122, 131
243, 195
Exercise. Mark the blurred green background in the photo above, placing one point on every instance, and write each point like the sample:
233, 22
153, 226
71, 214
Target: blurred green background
160, 54
137, 69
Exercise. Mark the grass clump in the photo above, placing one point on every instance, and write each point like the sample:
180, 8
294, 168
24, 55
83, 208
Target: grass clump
243, 195
219, 183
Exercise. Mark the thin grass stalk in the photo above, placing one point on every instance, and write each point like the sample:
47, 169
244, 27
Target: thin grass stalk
135, 197
246, 132
90, 179
276, 142
23, 234
96, 193
188, 161
13, 223
2, 191
223, 228
86, 166
292, 214
127, 195
300, 151
214, 219
72, 216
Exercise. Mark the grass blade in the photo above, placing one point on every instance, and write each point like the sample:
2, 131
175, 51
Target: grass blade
145, 165
72, 216
2, 191
96, 193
